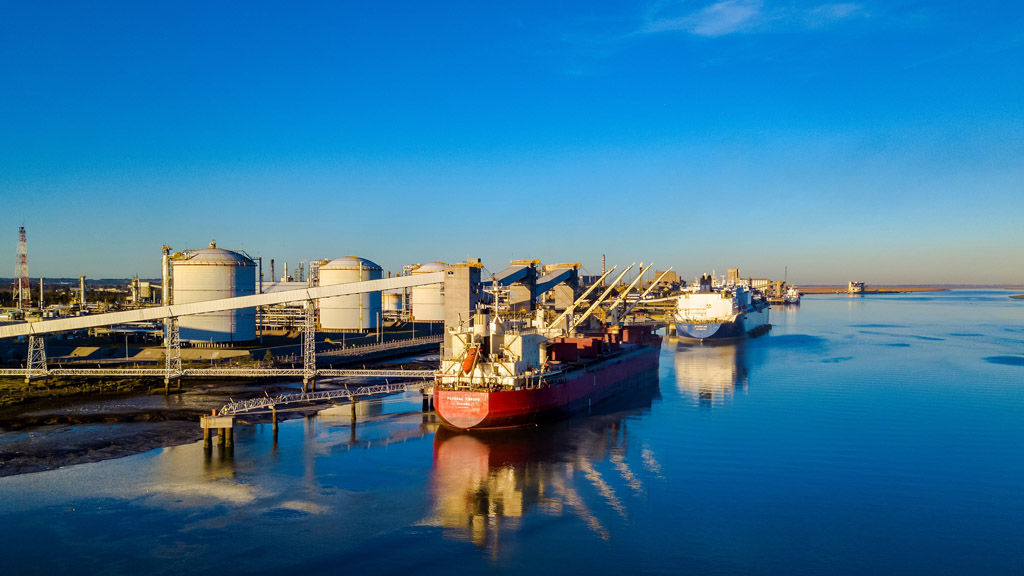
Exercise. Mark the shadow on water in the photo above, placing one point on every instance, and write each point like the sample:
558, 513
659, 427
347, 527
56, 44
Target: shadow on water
484, 484
897, 335
1006, 360
798, 341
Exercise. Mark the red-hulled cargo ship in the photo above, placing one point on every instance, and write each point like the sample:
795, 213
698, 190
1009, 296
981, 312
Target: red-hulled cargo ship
500, 375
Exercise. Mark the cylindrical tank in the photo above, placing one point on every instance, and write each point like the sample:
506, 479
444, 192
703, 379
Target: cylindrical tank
354, 311
428, 301
211, 274
392, 301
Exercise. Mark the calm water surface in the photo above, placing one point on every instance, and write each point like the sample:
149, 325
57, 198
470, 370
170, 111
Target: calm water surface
880, 434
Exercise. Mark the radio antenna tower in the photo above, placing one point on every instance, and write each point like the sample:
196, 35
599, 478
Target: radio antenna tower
22, 287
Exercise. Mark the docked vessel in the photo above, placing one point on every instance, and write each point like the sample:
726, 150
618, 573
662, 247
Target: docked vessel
721, 313
792, 295
855, 288
501, 373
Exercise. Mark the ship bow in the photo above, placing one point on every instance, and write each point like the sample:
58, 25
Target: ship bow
462, 409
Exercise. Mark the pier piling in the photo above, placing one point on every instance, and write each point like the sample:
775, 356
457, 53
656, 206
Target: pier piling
222, 424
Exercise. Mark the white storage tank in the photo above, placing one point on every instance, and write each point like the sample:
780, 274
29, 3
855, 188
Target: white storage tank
428, 301
354, 311
211, 274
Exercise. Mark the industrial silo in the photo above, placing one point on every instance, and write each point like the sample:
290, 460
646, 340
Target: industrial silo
428, 301
212, 274
353, 311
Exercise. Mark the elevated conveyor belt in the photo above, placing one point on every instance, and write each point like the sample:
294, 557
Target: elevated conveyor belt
176, 310
513, 274
549, 281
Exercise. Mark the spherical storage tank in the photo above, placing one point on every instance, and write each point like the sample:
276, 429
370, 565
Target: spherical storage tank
211, 274
428, 301
354, 311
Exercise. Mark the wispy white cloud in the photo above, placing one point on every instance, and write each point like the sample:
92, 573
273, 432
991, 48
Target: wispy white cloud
735, 16
827, 14
720, 18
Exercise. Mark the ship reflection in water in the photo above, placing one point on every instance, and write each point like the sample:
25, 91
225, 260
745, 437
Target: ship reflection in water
486, 483
710, 374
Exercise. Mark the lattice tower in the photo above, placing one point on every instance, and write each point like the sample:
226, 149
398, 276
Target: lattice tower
22, 287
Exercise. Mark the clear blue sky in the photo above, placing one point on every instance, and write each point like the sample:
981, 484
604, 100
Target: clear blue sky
878, 140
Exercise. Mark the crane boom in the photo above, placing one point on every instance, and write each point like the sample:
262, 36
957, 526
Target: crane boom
572, 307
622, 296
646, 292
602, 297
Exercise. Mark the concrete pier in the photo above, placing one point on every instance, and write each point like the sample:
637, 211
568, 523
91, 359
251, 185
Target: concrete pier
223, 425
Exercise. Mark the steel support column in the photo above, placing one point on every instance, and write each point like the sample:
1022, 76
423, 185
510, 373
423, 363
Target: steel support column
36, 362
309, 347
172, 353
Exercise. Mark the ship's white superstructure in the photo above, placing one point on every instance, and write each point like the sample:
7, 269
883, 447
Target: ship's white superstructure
712, 311
792, 295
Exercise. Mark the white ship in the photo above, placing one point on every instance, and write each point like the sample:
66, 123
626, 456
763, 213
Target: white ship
711, 312
792, 295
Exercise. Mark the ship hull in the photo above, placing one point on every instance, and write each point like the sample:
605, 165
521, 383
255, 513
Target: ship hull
752, 323
577, 391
